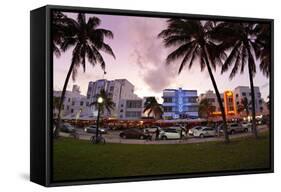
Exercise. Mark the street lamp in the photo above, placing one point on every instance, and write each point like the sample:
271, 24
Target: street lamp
100, 101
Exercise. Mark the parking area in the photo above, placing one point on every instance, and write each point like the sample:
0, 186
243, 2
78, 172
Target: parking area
114, 137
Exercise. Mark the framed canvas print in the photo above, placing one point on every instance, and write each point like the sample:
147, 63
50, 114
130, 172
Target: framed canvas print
120, 95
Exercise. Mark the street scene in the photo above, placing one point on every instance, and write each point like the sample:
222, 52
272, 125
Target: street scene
141, 96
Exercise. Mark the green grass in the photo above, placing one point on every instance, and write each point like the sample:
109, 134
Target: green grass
76, 159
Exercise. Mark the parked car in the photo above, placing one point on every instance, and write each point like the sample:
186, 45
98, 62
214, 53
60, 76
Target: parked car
247, 126
152, 129
67, 128
134, 134
179, 129
169, 133
204, 132
196, 128
93, 129
233, 128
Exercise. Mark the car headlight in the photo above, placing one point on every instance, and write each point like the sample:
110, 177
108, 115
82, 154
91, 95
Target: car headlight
85, 129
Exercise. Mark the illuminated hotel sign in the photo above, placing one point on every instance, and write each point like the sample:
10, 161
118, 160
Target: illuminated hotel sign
229, 103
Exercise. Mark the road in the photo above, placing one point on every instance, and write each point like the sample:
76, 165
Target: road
113, 137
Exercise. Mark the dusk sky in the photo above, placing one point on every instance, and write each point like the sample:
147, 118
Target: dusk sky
140, 58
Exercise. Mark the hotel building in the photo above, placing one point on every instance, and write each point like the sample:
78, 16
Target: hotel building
180, 104
231, 100
131, 109
241, 92
73, 103
118, 89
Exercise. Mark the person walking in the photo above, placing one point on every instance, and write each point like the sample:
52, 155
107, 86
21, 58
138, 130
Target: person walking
157, 133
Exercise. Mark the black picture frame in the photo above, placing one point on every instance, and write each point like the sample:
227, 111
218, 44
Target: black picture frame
41, 83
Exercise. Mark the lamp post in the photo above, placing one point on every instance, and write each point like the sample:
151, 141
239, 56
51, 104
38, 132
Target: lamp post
100, 101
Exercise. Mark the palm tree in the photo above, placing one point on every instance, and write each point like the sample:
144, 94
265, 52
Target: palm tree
59, 27
263, 39
87, 40
244, 106
152, 106
205, 108
107, 103
193, 42
240, 40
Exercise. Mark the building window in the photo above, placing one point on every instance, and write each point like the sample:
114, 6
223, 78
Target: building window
73, 103
237, 103
111, 89
68, 99
71, 111
230, 100
192, 99
121, 111
168, 99
67, 107
192, 108
133, 114
134, 104
81, 103
231, 108
244, 94
87, 103
168, 109
122, 105
237, 95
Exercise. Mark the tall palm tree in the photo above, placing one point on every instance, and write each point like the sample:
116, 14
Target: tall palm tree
193, 42
107, 103
240, 40
87, 40
263, 39
59, 27
205, 108
152, 106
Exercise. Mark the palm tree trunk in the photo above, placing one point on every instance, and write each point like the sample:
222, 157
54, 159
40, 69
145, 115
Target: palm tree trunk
253, 99
56, 134
226, 138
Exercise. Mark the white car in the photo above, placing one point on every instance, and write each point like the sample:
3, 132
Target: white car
246, 125
236, 128
205, 132
169, 133
152, 129
179, 130
191, 131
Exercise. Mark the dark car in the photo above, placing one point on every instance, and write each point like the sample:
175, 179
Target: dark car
67, 128
93, 129
134, 134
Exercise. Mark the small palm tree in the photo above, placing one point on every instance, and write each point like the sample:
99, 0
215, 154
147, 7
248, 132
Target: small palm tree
240, 40
87, 40
205, 108
192, 39
152, 106
107, 103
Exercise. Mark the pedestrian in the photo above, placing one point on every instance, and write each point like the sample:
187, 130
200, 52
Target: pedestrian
181, 133
157, 133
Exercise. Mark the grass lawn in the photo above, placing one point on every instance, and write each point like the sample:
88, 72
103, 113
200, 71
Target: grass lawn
76, 159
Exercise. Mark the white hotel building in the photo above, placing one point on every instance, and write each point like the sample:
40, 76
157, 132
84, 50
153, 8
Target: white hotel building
118, 89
